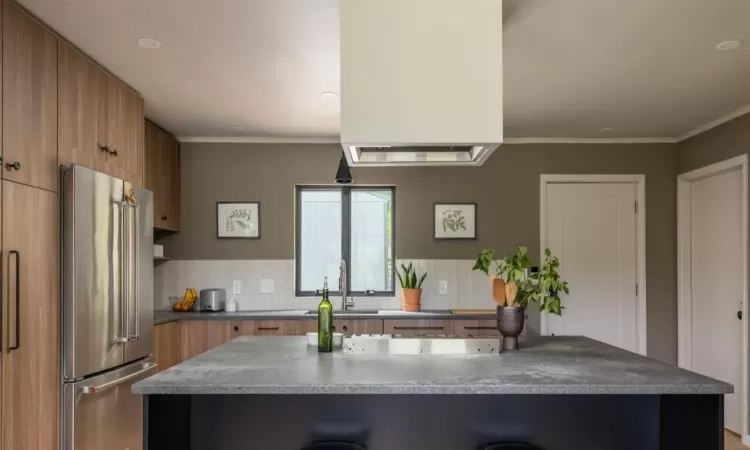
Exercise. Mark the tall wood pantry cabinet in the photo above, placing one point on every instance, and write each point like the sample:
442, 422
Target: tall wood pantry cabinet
162, 176
29, 236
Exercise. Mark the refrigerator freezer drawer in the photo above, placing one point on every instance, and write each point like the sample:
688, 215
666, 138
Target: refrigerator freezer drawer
102, 413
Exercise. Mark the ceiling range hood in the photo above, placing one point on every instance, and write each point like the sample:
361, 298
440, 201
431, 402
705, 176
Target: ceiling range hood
421, 81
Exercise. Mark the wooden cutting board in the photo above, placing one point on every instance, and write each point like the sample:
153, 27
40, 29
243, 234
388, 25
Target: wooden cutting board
473, 311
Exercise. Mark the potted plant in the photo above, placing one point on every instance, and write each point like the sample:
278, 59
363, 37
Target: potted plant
411, 288
513, 289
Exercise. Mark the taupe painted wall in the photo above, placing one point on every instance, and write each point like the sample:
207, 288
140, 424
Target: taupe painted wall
717, 144
505, 188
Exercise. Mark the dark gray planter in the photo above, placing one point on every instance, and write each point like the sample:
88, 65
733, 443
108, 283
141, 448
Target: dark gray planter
510, 321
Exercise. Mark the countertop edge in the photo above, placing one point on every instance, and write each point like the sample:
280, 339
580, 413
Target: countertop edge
167, 316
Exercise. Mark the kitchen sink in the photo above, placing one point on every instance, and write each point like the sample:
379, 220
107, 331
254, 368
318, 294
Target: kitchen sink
353, 312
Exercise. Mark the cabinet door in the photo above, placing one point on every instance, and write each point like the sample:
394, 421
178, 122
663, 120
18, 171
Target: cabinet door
155, 156
172, 180
417, 327
351, 326
167, 347
30, 341
202, 335
82, 110
485, 327
124, 132
29, 100
278, 327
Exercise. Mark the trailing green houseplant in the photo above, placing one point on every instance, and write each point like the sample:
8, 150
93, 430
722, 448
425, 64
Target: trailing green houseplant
411, 288
543, 287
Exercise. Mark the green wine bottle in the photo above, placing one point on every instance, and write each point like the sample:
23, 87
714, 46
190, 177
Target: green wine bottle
325, 322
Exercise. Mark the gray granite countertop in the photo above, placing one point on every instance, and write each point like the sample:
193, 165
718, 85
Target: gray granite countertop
161, 317
546, 365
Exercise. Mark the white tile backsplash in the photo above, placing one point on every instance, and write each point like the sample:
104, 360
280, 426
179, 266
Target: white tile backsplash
466, 289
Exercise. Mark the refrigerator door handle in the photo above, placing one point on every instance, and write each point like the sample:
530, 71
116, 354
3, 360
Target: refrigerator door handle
110, 384
124, 289
133, 256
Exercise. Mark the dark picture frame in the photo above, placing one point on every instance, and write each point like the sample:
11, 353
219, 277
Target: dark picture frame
469, 231
223, 216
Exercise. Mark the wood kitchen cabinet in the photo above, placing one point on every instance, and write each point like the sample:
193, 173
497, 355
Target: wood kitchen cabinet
199, 336
484, 327
82, 110
124, 131
417, 327
167, 345
278, 327
30, 380
350, 326
29, 107
162, 176
99, 118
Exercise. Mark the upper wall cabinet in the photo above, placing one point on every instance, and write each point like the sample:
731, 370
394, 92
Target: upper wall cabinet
29, 119
125, 131
82, 110
162, 176
100, 118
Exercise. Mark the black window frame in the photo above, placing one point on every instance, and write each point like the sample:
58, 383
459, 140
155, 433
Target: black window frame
345, 239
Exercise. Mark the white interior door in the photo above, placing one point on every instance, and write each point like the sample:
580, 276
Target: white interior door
717, 284
592, 227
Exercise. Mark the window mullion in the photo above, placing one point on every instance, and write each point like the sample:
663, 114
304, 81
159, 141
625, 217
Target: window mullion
346, 234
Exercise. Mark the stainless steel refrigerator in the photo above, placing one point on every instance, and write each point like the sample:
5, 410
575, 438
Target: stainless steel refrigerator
107, 309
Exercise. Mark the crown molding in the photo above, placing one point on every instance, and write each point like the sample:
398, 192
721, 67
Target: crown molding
589, 141
715, 123
335, 140
261, 140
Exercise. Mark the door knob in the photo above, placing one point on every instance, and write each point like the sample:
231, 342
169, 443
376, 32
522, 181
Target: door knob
739, 315
13, 166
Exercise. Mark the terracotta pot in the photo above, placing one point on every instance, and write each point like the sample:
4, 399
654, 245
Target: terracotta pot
510, 321
498, 290
411, 300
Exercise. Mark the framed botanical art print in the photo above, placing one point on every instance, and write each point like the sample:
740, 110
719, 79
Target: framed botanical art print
238, 220
455, 220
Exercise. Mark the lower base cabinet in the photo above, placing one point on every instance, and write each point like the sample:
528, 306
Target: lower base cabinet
198, 336
167, 345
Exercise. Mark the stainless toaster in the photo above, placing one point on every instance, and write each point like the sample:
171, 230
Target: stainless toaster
213, 299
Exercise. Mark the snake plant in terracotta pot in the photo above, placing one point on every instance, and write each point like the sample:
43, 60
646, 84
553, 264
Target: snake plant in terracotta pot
514, 288
411, 288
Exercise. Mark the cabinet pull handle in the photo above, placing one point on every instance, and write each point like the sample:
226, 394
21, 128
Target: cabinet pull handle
103, 148
480, 328
164, 218
268, 328
13, 166
17, 344
417, 328
345, 328
235, 328
113, 152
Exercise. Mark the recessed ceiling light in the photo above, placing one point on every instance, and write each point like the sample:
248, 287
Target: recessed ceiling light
148, 43
728, 45
328, 95
606, 130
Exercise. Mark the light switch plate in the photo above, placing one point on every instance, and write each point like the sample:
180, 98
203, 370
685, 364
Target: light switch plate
443, 287
237, 287
266, 286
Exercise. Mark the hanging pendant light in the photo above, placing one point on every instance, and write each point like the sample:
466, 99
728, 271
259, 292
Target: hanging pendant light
343, 176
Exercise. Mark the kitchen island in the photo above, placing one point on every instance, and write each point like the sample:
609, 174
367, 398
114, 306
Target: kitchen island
557, 393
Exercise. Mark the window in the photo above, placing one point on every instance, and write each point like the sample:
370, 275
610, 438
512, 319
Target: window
353, 224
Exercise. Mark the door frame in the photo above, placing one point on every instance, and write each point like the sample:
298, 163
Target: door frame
639, 180
684, 278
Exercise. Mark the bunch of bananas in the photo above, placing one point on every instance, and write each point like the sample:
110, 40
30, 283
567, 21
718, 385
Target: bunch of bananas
188, 300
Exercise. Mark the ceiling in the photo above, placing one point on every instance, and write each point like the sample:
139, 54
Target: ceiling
257, 68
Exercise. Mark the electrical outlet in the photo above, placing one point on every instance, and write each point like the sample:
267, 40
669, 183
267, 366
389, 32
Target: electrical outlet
443, 287
266, 286
236, 287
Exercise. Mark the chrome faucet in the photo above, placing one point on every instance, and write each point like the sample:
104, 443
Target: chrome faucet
346, 303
